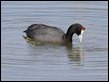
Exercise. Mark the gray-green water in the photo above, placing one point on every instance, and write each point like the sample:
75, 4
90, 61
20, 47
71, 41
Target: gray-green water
23, 61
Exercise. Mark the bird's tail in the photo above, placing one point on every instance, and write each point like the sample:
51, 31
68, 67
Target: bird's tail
25, 31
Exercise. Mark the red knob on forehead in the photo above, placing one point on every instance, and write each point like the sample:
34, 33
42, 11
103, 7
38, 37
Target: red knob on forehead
82, 28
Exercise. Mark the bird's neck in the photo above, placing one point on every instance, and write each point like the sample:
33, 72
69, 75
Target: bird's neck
68, 38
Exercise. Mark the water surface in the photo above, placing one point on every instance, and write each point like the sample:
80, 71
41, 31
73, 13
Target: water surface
22, 61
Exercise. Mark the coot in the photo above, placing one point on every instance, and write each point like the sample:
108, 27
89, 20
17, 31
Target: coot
45, 33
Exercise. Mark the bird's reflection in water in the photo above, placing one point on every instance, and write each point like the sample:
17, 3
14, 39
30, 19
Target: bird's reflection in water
75, 55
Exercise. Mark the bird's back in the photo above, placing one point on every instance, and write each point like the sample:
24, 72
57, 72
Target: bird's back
45, 33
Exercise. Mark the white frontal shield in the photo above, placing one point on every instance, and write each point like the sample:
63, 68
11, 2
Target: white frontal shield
81, 36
